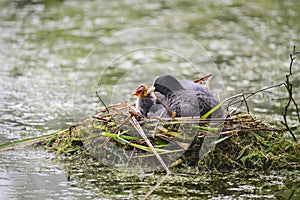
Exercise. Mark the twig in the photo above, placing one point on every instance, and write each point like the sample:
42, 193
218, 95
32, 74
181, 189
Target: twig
102, 102
246, 104
262, 90
157, 123
289, 88
122, 123
247, 95
143, 135
163, 104
297, 110
251, 129
187, 120
233, 98
202, 79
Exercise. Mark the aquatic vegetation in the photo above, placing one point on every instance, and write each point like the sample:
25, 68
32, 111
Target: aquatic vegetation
239, 142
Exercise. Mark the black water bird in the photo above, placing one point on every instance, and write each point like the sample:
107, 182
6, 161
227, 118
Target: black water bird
186, 98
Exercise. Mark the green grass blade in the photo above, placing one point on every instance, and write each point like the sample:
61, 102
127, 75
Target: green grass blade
114, 135
213, 110
26, 142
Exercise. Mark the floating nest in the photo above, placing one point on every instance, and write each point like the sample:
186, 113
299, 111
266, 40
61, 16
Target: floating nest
118, 136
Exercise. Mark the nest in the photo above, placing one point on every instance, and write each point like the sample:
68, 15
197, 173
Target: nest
119, 136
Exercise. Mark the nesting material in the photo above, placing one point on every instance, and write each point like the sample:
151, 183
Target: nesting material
239, 141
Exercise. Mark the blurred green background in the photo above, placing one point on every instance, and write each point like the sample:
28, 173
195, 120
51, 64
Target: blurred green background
55, 54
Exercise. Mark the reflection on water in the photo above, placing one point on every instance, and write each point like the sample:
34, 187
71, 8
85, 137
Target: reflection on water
33, 174
50, 72
30, 173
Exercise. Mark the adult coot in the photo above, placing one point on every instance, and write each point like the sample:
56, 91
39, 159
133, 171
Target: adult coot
186, 98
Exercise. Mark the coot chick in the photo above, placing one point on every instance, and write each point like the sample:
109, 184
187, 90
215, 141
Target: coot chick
147, 103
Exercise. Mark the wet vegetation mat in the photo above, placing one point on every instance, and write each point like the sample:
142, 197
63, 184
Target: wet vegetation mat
240, 141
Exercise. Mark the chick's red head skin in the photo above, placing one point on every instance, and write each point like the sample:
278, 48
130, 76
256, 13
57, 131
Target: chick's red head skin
141, 91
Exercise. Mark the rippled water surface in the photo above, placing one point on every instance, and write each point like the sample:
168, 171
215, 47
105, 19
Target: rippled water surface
54, 55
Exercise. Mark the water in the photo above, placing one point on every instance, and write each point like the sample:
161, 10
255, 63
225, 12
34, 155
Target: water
56, 54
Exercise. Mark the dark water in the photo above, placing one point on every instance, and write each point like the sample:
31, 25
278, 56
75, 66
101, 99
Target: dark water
54, 55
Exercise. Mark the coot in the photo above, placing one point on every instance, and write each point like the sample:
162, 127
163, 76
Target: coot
186, 98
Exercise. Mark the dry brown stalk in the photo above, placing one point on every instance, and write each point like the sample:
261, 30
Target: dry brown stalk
202, 79
143, 135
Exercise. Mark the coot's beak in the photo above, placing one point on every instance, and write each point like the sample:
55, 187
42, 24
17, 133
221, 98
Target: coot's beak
150, 90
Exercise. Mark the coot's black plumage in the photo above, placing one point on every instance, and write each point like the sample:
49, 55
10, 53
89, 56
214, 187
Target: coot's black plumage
191, 85
186, 98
